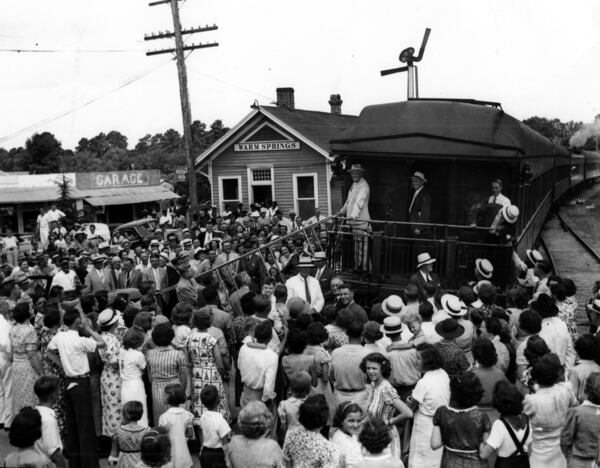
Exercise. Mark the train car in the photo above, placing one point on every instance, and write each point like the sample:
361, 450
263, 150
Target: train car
578, 169
592, 165
461, 146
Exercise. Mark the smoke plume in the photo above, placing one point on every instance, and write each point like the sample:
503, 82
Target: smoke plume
586, 132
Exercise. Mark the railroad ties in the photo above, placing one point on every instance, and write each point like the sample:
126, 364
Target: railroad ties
569, 239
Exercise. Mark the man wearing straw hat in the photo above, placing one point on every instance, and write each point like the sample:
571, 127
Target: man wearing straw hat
356, 209
424, 273
419, 209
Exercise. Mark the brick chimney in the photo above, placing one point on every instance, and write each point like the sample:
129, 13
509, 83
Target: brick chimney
285, 98
335, 101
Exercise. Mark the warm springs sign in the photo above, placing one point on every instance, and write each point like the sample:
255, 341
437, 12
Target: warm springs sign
284, 145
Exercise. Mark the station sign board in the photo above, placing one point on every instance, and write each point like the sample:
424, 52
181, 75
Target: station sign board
284, 145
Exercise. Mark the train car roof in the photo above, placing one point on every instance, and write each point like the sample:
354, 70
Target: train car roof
431, 127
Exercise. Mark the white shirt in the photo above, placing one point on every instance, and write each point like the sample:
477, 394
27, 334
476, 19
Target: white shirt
214, 428
431, 335
499, 199
349, 446
296, 288
9, 242
50, 441
66, 280
131, 363
432, 391
556, 335
73, 350
500, 440
54, 215
258, 368
5, 347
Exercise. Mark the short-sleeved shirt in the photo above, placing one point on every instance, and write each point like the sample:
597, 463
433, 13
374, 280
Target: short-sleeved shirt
461, 429
345, 369
50, 441
500, 440
307, 449
73, 350
214, 428
432, 391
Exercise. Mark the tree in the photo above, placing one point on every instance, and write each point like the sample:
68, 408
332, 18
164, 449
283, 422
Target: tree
45, 152
64, 201
556, 131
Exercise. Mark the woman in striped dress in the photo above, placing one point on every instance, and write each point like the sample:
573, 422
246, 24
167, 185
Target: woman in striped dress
166, 365
383, 398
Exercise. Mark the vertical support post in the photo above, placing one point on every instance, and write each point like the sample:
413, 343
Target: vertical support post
451, 260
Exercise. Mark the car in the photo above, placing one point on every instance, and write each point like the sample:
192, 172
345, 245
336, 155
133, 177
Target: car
139, 232
100, 230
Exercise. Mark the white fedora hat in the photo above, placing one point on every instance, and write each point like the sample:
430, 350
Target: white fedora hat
484, 267
392, 305
534, 256
424, 259
419, 175
357, 168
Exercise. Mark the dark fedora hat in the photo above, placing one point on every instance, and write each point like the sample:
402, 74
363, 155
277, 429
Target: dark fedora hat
449, 329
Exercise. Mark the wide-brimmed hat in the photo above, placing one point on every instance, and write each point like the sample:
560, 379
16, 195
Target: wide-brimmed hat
510, 213
449, 329
453, 305
534, 256
484, 267
255, 214
98, 258
357, 168
81, 232
391, 326
306, 262
154, 242
103, 245
424, 259
107, 318
392, 305
419, 175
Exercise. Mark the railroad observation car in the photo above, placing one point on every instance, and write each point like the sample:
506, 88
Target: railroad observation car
460, 146
592, 164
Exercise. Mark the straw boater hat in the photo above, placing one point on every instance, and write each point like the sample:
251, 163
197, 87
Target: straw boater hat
391, 326
392, 305
107, 318
484, 267
424, 259
320, 256
306, 262
419, 175
357, 168
453, 305
534, 256
449, 329
510, 213
98, 258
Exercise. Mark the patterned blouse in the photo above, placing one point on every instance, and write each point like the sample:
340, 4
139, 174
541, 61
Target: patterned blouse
566, 312
23, 339
110, 354
307, 449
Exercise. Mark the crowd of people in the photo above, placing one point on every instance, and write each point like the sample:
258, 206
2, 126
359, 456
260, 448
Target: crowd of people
188, 347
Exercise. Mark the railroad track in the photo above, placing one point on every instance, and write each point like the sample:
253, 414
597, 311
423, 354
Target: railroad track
572, 257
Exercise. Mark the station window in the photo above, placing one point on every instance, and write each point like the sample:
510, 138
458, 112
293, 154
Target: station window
260, 184
230, 191
305, 194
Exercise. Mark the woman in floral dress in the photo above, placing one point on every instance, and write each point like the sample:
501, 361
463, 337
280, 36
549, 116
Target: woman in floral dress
27, 366
110, 379
383, 398
207, 365
51, 326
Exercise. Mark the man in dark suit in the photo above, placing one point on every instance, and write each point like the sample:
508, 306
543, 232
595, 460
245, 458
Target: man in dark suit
129, 277
424, 274
419, 209
323, 273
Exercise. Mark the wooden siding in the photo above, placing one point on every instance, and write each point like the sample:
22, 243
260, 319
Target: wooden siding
285, 164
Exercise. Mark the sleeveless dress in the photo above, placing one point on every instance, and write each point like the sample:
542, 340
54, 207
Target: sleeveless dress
205, 372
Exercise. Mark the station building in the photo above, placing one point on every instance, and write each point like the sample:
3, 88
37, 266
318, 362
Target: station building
110, 197
278, 153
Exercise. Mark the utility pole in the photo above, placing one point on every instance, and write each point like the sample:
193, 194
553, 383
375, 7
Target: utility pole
186, 112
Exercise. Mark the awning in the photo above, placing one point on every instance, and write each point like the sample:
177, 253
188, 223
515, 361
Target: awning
34, 195
126, 195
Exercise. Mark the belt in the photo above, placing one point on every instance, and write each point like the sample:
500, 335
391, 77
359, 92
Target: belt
450, 449
78, 377
351, 390
253, 389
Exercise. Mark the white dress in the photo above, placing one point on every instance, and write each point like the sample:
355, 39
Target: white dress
132, 363
176, 420
349, 447
431, 392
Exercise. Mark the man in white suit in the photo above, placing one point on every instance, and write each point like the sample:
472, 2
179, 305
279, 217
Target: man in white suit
356, 209
305, 286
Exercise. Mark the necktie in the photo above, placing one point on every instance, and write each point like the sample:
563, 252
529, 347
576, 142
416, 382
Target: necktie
127, 283
318, 276
306, 291
495, 196
227, 257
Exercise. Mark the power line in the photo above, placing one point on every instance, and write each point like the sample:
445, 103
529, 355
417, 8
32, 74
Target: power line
72, 51
62, 114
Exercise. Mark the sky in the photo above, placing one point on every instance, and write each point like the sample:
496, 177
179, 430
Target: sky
536, 58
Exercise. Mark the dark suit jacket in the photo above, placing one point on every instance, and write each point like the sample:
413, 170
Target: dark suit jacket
325, 280
420, 212
418, 280
135, 279
291, 267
